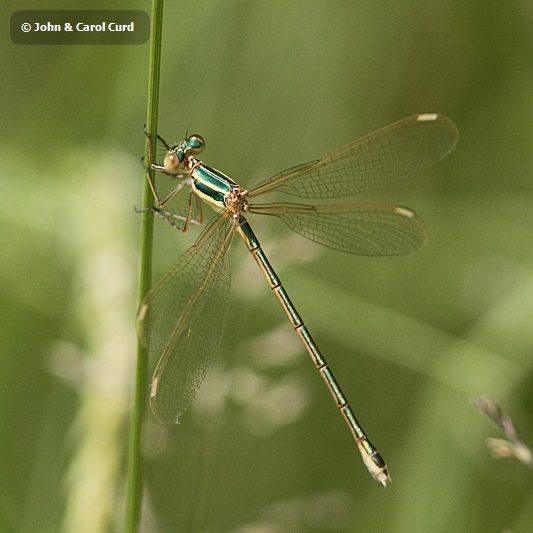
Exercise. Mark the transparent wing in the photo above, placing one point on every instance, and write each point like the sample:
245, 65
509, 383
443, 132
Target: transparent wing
184, 315
364, 229
385, 156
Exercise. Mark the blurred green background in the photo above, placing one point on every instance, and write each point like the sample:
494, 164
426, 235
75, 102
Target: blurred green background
411, 339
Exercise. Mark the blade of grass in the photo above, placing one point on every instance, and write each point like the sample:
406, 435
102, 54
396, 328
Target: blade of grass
135, 463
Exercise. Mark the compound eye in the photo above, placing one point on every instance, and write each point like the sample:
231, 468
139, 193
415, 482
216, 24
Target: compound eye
195, 144
172, 163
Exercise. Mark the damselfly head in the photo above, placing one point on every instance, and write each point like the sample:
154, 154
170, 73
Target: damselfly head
178, 157
174, 161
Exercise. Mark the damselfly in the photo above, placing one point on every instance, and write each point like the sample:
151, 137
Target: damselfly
184, 314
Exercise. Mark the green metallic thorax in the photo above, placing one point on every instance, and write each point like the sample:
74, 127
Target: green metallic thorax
211, 185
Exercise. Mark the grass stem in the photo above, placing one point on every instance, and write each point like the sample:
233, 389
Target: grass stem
135, 463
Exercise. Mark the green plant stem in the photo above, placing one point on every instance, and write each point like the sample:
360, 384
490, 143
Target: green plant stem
135, 463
